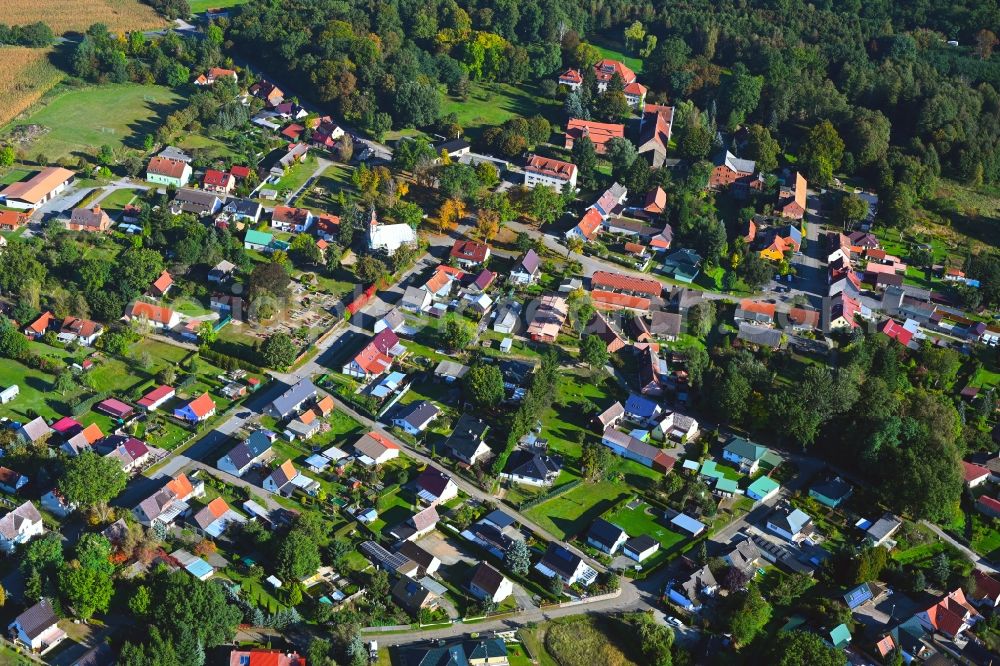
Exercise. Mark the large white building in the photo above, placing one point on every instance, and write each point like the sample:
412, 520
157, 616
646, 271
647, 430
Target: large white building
389, 237
549, 172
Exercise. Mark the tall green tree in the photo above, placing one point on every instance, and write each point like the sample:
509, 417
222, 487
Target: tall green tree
89, 479
822, 153
484, 385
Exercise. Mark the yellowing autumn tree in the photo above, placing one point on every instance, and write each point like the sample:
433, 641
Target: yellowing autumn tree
451, 211
487, 224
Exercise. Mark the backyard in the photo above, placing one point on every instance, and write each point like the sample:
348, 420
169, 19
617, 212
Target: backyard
490, 104
638, 518
321, 197
570, 514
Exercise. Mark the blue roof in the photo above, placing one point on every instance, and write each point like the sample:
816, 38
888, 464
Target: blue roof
858, 596
199, 568
640, 406
687, 523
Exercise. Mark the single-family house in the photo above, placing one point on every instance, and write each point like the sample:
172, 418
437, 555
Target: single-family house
421, 523
215, 74
744, 556
56, 503
93, 218
881, 531
292, 399
469, 253
281, 479
548, 318
610, 417
467, 442
682, 265
489, 584
427, 563
952, 615
655, 129
986, 591
158, 317
243, 210
81, 331
416, 416
37, 628
527, 270
374, 448
392, 320
792, 200
792, 524
82, 440
763, 489
606, 537
435, 487
975, 475
11, 481
754, 312
129, 452
831, 492
215, 517
688, 593
291, 220
376, 357
197, 410
642, 410
254, 450
532, 468
635, 449
20, 526
412, 596
558, 562
746, 455
40, 326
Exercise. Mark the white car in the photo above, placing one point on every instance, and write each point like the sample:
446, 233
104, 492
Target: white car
675, 622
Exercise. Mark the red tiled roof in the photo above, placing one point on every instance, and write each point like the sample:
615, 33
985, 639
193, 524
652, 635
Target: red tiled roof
614, 300
758, 307
987, 587
973, 471
896, 331
948, 614
293, 131
218, 507
42, 324
289, 215
546, 166
11, 219
990, 503
656, 200
180, 486
164, 166
470, 250
571, 76
443, 275
157, 313
216, 178
605, 69
599, 133
590, 223
163, 282
627, 283
157, 394
239, 171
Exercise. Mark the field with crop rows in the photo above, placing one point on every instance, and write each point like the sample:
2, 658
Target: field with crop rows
26, 75
76, 16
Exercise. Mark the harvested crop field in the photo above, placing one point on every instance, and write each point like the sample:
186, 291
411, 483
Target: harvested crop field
76, 16
26, 75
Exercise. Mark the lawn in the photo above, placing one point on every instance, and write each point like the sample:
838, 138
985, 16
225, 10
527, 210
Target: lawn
588, 640
296, 175
322, 194
15, 174
490, 104
118, 199
81, 120
199, 6
644, 520
615, 52
570, 514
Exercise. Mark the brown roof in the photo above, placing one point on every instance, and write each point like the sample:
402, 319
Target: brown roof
546, 166
164, 166
82, 327
35, 188
627, 283
487, 578
289, 215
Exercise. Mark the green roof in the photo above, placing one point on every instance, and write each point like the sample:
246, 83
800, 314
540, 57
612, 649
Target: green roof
727, 485
770, 458
840, 637
746, 449
763, 486
257, 237
708, 469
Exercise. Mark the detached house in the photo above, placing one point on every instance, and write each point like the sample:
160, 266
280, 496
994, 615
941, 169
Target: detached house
157, 316
747, 455
566, 566
285, 479
89, 219
33, 430
952, 615
688, 593
421, 523
467, 442
167, 171
215, 517
792, 200
435, 487
374, 448
792, 524
20, 526
40, 326
254, 450
10, 481
220, 182
606, 537
415, 417
292, 220
531, 468
527, 270
655, 130
169, 502
161, 285
489, 584
81, 331
469, 253
37, 628
199, 409
376, 357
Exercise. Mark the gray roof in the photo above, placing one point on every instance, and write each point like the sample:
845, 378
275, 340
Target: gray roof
395, 562
418, 413
393, 318
421, 557
37, 619
287, 402
665, 323
737, 164
451, 369
696, 581
223, 267
414, 296
255, 445
744, 555
757, 335
11, 523
36, 428
792, 521
883, 527
532, 465
604, 533
244, 207
196, 200
612, 413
